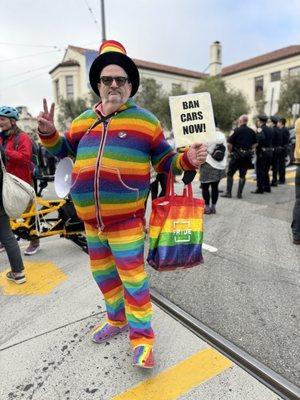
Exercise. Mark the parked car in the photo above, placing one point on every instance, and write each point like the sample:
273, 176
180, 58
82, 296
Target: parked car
289, 159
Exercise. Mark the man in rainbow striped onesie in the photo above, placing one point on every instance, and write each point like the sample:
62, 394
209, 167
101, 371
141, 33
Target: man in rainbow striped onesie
113, 145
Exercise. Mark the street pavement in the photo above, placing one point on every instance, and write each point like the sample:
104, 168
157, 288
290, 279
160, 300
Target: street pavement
46, 351
247, 290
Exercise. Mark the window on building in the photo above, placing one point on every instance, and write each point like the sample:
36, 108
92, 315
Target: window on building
69, 87
275, 76
57, 92
259, 87
294, 71
175, 87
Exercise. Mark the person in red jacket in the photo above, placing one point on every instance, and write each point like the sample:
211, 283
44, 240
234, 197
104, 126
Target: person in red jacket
18, 152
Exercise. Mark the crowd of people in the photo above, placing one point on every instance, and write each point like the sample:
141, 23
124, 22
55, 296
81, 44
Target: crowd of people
263, 148
114, 146
268, 145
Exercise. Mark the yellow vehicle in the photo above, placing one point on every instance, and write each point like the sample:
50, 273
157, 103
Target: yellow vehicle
50, 217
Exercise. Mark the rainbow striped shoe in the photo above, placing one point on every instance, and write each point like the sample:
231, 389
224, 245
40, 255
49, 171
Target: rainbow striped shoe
143, 357
105, 331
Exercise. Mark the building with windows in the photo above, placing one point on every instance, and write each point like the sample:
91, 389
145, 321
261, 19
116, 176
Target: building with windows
70, 77
258, 78
27, 122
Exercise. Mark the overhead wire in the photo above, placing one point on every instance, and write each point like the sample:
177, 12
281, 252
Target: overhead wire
93, 16
30, 45
56, 49
206, 68
32, 55
20, 82
27, 72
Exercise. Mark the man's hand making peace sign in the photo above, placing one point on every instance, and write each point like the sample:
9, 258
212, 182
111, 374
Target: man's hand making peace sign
46, 119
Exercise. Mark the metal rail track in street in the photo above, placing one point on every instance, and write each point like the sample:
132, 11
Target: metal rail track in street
274, 381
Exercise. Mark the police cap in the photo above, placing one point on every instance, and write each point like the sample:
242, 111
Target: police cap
262, 118
274, 119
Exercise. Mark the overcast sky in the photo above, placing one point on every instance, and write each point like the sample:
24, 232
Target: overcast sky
34, 34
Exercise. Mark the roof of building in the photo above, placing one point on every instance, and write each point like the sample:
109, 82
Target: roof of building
171, 70
267, 58
67, 63
80, 50
153, 66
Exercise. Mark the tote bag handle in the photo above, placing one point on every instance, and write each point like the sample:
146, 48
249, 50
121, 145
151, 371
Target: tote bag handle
2, 164
187, 190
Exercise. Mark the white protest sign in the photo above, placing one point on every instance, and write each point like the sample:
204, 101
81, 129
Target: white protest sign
192, 119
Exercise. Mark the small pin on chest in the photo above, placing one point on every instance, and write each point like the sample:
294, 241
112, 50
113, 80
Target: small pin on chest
122, 135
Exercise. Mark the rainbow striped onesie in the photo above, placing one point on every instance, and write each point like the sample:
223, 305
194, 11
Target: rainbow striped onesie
110, 183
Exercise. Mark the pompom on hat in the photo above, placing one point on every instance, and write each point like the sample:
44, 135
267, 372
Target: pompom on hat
112, 52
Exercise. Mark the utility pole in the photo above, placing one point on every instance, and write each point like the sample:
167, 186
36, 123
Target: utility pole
103, 21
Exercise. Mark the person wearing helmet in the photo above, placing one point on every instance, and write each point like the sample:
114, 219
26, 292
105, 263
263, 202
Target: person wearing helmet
8, 240
114, 145
18, 152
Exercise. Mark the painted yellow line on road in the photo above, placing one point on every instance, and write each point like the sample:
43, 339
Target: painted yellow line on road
179, 379
42, 278
290, 174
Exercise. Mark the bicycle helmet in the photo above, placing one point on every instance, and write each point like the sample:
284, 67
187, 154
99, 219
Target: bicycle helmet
9, 112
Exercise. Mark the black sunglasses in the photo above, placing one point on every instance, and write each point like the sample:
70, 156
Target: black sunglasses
108, 80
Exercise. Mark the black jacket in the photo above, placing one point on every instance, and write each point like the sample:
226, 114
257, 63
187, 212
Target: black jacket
243, 137
264, 138
285, 136
277, 139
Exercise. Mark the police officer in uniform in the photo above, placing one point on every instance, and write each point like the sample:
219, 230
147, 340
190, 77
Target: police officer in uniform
285, 134
278, 149
240, 146
264, 153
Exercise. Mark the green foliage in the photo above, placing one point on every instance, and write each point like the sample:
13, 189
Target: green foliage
228, 104
152, 97
289, 95
93, 98
70, 109
165, 107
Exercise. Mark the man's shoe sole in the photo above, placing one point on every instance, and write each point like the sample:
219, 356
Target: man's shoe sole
17, 281
31, 253
107, 338
143, 366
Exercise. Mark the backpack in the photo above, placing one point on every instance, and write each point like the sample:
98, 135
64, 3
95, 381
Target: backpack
35, 159
218, 153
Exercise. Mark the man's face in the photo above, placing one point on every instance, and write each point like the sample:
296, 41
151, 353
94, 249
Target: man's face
5, 123
114, 95
260, 123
